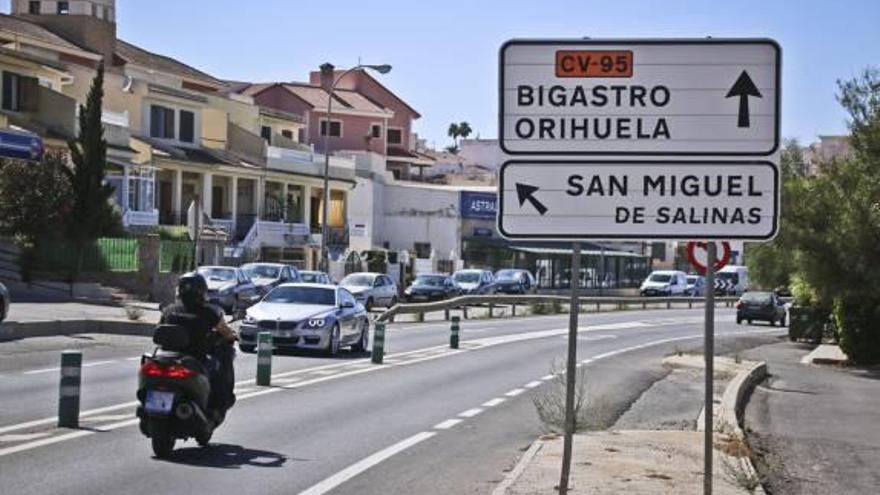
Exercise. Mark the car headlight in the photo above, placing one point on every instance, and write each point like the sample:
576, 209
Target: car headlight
408, 291
316, 323
248, 318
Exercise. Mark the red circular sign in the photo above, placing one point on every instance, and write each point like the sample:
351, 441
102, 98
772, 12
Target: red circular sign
700, 266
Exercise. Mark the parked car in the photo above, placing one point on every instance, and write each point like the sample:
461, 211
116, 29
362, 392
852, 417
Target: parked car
4, 302
475, 282
515, 281
664, 283
267, 276
307, 316
732, 280
762, 306
371, 289
431, 287
696, 286
229, 287
312, 277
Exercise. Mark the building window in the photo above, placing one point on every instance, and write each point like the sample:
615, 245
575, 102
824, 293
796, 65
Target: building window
11, 91
335, 128
301, 136
187, 126
63, 8
287, 133
423, 249
161, 122
266, 133
376, 131
395, 136
34, 8
20, 93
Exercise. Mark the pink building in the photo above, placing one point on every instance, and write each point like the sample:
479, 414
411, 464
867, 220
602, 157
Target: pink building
365, 116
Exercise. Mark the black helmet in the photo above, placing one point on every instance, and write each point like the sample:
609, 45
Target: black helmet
192, 289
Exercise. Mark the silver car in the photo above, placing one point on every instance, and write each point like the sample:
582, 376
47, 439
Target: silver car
313, 277
371, 289
307, 316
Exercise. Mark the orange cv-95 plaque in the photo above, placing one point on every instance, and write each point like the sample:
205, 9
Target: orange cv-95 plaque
594, 63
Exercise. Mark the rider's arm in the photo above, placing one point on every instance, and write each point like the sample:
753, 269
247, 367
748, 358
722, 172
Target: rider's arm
226, 331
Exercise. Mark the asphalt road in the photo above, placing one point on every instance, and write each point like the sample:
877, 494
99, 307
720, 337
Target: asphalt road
431, 420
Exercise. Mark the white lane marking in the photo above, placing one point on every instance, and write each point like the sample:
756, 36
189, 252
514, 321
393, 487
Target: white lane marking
45, 441
515, 392
533, 384
108, 417
589, 338
547, 377
493, 402
325, 372
470, 413
23, 437
45, 421
587, 361
96, 363
449, 423
364, 464
43, 370
136, 358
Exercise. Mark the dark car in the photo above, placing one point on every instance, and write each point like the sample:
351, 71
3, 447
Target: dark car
515, 281
762, 306
4, 302
475, 282
267, 276
433, 287
229, 287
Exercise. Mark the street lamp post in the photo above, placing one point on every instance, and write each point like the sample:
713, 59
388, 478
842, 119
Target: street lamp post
325, 228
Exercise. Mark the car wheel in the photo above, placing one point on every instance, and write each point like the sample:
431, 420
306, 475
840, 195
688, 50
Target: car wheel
750, 322
394, 301
739, 320
2, 309
363, 341
369, 305
772, 322
333, 345
782, 321
250, 349
161, 439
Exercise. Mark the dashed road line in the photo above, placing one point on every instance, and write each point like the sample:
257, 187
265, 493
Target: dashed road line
449, 423
494, 402
515, 392
470, 413
533, 384
39, 371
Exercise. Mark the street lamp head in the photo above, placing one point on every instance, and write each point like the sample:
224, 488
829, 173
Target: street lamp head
381, 69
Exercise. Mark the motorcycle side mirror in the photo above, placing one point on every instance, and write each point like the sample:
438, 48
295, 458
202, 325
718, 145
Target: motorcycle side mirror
346, 305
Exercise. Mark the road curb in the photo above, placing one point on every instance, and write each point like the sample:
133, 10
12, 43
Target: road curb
513, 475
21, 330
733, 405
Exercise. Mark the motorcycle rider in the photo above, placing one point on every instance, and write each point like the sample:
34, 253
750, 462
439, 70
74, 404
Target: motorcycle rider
192, 312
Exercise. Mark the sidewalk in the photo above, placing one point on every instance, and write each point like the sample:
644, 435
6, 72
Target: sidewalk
818, 425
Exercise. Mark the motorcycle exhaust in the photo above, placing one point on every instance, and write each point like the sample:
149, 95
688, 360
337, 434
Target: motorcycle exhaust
184, 411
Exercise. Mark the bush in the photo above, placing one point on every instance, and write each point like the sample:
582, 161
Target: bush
549, 401
858, 324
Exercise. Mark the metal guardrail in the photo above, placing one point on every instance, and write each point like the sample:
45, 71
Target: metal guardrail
460, 303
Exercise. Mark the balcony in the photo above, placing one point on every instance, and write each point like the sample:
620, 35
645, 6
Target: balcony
306, 162
116, 128
45, 112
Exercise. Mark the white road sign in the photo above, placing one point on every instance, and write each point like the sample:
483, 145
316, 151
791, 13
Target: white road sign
700, 199
712, 97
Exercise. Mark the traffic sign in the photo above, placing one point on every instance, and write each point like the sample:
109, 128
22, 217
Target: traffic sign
697, 254
696, 97
700, 199
20, 145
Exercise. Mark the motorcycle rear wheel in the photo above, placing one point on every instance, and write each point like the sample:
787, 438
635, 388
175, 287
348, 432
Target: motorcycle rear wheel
203, 439
161, 439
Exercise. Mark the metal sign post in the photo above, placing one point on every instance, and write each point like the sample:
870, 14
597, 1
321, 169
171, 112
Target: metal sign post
570, 366
709, 355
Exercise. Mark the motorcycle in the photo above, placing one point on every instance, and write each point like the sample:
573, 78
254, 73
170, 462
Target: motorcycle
174, 391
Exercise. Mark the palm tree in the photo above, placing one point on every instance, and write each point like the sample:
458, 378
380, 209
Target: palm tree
454, 132
464, 130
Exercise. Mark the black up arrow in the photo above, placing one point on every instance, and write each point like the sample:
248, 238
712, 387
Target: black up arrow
744, 87
526, 193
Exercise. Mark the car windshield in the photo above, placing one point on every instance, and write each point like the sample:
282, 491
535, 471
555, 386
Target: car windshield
358, 280
660, 277
429, 280
693, 280
729, 276
467, 277
261, 271
508, 275
217, 274
759, 297
302, 295
309, 277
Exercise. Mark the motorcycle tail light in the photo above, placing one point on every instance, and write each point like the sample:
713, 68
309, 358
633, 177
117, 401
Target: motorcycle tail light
178, 372
739, 305
152, 369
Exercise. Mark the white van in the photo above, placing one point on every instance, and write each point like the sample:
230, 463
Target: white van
732, 280
664, 283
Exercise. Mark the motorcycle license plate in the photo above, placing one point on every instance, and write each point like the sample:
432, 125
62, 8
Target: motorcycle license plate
159, 402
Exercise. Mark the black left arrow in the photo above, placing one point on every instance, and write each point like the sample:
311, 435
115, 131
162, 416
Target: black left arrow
744, 87
525, 193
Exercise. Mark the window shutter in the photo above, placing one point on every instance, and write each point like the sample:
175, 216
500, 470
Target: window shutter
29, 94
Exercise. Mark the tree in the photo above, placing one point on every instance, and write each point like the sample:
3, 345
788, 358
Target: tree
454, 132
91, 215
35, 198
464, 130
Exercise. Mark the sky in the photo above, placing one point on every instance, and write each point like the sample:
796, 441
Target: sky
445, 54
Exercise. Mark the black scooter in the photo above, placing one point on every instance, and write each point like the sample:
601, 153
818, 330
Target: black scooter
174, 391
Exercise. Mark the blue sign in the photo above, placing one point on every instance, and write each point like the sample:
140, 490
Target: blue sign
479, 205
20, 145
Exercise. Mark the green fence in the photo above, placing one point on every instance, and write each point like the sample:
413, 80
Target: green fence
175, 256
103, 255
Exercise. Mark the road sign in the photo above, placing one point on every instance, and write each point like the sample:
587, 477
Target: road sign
697, 253
707, 97
20, 145
638, 200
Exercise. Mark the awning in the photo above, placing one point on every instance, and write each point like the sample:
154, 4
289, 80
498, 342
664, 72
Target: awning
568, 252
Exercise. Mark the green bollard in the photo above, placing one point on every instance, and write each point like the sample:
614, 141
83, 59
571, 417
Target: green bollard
453, 336
264, 359
491, 310
379, 342
68, 401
